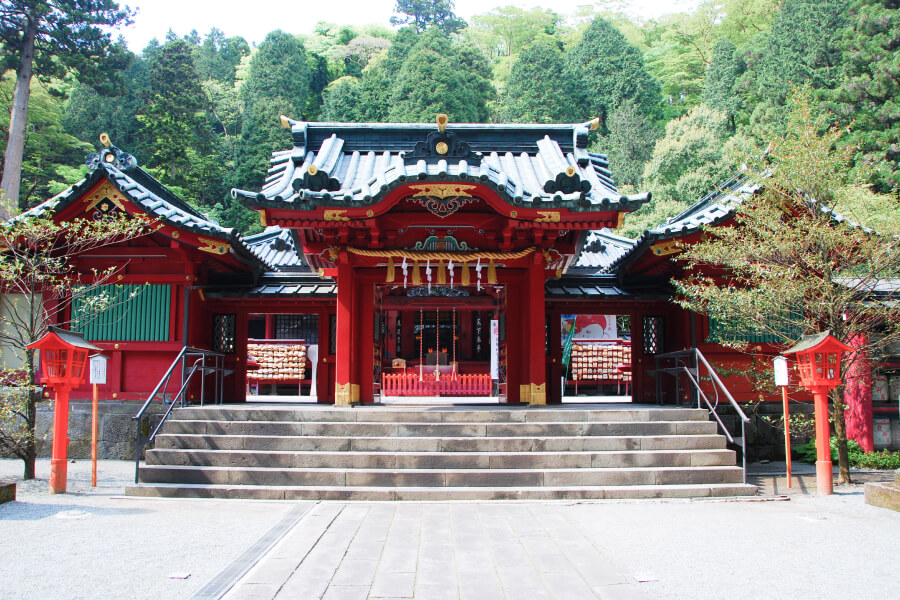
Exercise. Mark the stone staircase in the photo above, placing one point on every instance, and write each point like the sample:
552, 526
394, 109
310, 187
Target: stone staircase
439, 453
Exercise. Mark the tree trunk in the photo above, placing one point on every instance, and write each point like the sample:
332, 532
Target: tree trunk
840, 432
18, 119
34, 396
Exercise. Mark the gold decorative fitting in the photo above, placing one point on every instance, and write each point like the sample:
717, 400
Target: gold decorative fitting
285, 122
321, 272
262, 218
213, 246
335, 215
176, 235
312, 169
538, 393
370, 213
115, 395
110, 158
570, 171
104, 139
187, 278
513, 214
116, 346
342, 394
442, 120
107, 192
442, 190
666, 248
441, 148
595, 123
121, 278
548, 216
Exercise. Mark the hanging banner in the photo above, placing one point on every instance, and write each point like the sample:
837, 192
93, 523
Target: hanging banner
568, 324
495, 349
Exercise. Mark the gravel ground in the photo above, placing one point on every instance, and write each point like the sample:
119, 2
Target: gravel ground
829, 548
94, 543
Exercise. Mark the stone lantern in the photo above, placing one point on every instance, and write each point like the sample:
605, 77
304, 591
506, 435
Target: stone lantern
63, 363
819, 364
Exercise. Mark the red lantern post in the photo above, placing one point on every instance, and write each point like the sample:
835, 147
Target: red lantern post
819, 364
63, 362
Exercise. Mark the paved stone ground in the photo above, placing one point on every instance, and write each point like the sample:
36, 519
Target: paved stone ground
802, 548
93, 543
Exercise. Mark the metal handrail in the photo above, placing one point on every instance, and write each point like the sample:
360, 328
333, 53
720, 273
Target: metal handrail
141, 441
694, 378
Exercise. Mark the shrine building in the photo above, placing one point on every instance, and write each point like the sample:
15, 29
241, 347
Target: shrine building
404, 262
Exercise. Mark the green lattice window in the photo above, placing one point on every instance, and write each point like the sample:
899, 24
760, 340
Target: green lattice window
134, 313
723, 330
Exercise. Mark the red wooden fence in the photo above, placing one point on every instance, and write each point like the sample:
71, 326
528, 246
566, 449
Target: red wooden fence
409, 384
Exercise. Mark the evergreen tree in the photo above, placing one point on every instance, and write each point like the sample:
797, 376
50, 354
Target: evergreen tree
217, 57
606, 70
802, 48
422, 14
341, 101
629, 144
537, 90
49, 39
278, 83
438, 78
174, 116
868, 96
721, 80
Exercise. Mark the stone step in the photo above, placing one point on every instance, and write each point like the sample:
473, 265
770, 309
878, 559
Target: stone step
485, 414
362, 493
439, 478
418, 429
440, 460
436, 444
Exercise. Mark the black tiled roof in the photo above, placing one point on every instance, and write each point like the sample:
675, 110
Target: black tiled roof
123, 172
338, 163
601, 249
284, 285
278, 249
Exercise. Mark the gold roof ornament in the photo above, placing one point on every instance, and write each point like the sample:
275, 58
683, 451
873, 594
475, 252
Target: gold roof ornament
104, 139
442, 120
595, 124
285, 121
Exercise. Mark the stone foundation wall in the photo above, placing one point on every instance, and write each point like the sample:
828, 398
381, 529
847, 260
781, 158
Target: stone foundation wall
115, 431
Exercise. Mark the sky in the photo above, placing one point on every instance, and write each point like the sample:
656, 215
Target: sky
254, 19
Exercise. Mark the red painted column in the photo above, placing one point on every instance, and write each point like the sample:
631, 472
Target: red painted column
364, 304
536, 319
344, 342
58, 465
515, 351
554, 386
270, 327
858, 398
824, 483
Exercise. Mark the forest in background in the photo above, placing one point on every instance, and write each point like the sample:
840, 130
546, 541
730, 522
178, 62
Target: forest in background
680, 99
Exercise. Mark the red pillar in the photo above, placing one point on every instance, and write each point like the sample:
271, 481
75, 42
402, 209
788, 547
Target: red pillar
58, 465
824, 484
364, 305
270, 327
516, 357
536, 319
858, 398
344, 341
554, 387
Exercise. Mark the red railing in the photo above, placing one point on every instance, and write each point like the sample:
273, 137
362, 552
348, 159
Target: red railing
409, 384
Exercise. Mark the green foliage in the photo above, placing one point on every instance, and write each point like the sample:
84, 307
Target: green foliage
342, 101
422, 14
867, 97
881, 460
721, 80
174, 117
437, 77
49, 150
690, 160
606, 70
629, 144
802, 48
70, 36
537, 91
217, 57
278, 83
